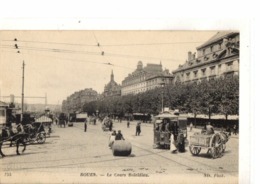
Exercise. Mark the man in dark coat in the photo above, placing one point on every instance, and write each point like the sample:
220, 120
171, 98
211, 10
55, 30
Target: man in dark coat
138, 129
119, 136
85, 125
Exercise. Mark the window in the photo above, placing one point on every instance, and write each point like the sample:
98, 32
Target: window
203, 51
212, 70
230, 66
195, 74
188, 76
211, 48
219, 46
203, 71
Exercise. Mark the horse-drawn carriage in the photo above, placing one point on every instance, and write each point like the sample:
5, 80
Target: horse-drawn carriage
107, 124
215, 143
35, 133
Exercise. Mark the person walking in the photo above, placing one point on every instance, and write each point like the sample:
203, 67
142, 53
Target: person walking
85, 125
138, 129
128, 124
235, 129
191, 126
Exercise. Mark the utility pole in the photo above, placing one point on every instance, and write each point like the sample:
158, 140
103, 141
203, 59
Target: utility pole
22, 92
46, 102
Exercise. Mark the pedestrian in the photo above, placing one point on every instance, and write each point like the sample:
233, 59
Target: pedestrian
110, 125
112, 138
119, 136
235, 129
138, 129
228, 129
85, 125
175, 130
191, 126
128, 124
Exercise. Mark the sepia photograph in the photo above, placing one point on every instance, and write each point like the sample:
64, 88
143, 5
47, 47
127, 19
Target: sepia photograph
100, 106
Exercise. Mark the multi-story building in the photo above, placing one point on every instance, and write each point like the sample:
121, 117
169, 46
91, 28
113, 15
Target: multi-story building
112, 88
76, 101
145, 78
219, 56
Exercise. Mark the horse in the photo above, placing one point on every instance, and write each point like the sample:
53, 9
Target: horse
62, 122
7, 135
224, 138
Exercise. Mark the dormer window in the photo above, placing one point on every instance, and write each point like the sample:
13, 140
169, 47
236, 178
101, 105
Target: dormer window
211, 49
219, 46
214, 55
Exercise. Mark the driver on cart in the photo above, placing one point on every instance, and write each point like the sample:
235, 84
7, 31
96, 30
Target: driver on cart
209, 129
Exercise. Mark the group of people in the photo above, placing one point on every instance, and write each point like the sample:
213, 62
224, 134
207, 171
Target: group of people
118, 135
115, 136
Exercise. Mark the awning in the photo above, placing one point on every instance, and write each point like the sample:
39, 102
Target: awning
43, 119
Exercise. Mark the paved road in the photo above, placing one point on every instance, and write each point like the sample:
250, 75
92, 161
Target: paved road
72, 155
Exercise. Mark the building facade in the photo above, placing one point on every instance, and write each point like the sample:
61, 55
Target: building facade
145, 78
112, 88
76, 101
219, 56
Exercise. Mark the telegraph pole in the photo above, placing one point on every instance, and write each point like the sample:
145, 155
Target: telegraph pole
22, 93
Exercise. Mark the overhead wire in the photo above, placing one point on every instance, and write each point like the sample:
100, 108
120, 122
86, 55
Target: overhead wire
77, 60
107, 45
92, 53
58, 50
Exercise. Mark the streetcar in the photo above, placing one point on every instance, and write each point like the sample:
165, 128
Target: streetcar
163, 129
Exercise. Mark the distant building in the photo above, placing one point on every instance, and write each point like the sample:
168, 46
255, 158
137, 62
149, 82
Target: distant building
76, 101
112, 88
219, 56
145, 78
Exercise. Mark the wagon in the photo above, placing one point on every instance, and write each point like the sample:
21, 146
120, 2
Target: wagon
213, 143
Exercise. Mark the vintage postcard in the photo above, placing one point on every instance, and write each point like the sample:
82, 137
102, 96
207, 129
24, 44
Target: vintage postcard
122, 106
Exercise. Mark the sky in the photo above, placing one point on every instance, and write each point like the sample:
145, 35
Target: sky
58, 63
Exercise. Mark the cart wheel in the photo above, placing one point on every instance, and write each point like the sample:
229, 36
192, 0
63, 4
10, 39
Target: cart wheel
41, 137
195, 150
216, 145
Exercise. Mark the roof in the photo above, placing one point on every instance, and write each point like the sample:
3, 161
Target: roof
166, 115
216, 37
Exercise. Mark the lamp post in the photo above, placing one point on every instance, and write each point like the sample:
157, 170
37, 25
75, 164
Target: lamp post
162, 86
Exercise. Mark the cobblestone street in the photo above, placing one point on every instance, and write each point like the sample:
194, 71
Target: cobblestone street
71, 155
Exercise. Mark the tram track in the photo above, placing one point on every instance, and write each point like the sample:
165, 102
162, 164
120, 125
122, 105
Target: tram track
182, 160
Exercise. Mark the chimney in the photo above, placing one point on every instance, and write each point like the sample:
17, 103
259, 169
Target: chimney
194, 55
11, 98
189, 55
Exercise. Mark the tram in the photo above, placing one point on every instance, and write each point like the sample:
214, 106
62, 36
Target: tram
166, 124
